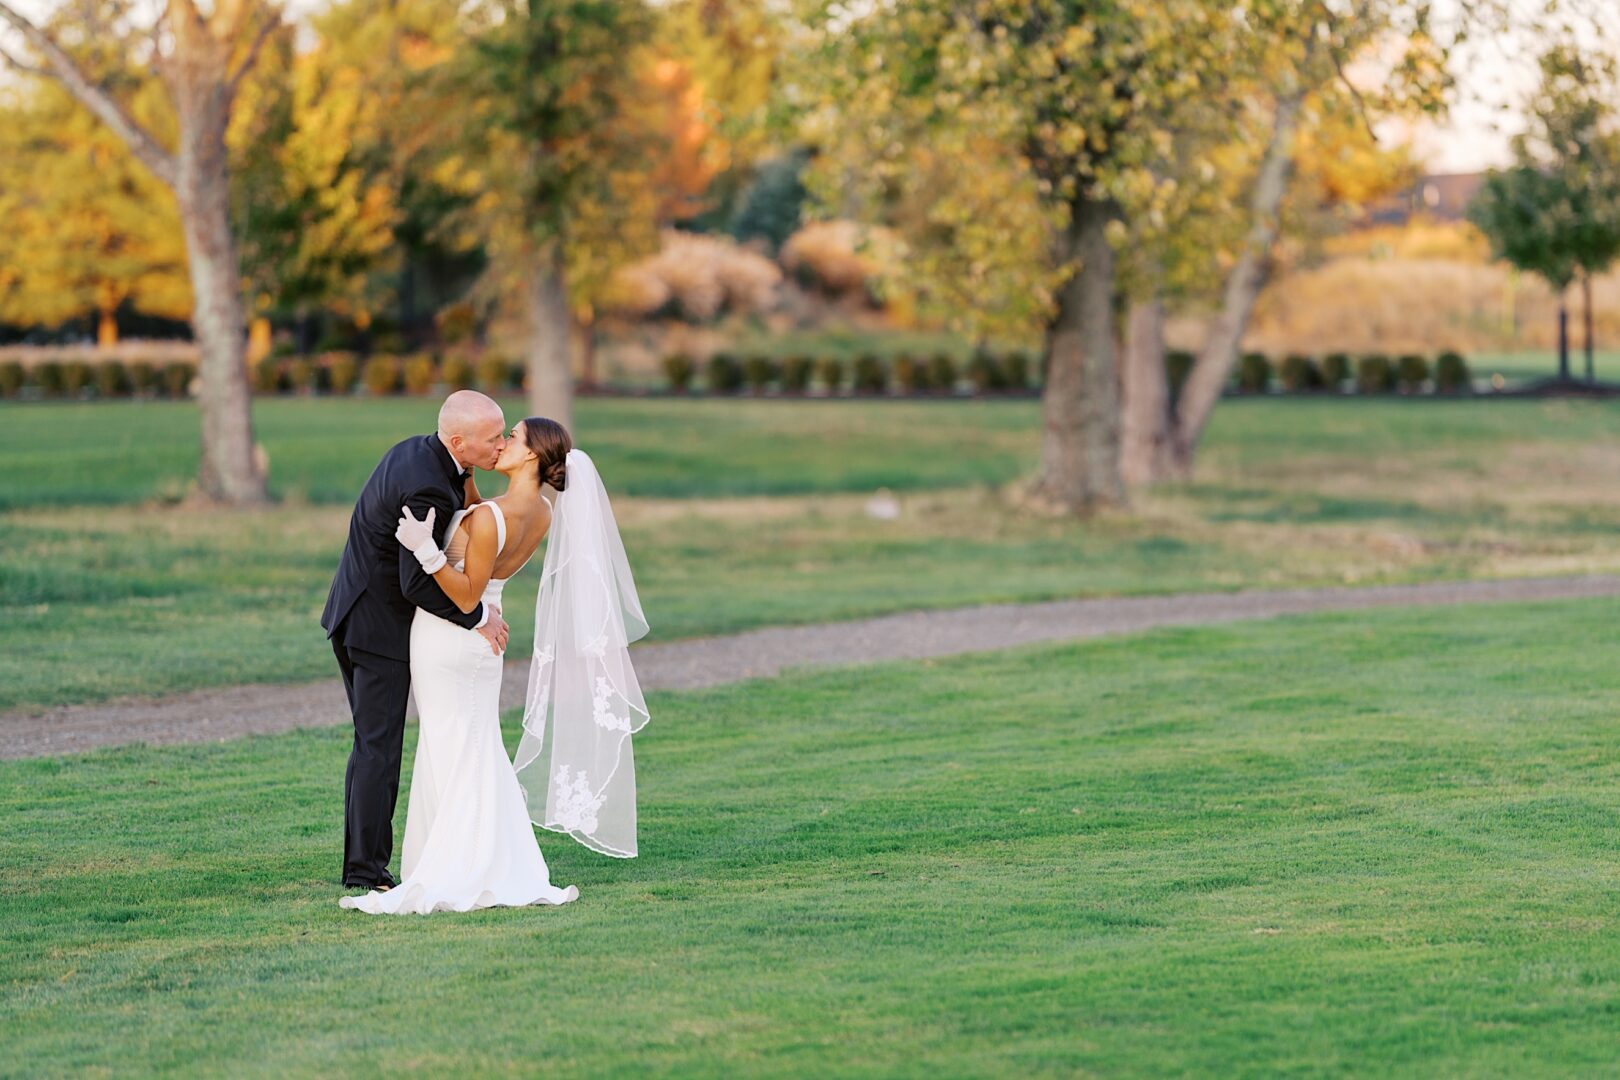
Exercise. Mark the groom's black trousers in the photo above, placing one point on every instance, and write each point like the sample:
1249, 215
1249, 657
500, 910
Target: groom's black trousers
378, 688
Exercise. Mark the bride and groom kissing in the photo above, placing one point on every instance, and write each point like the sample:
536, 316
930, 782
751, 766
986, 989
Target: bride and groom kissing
415, 610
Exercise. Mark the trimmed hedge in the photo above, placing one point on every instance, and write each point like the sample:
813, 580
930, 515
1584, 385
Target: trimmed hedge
910, 374
12, 378
830, 370
420, 374
1254, 373
1412, 371
299, 375
679, 369
759, 372
1335, 369
871, 377
113, 381
796, 374
456, 372
76, 378
1451, 374
1375, 374
1299, 374
985, 373
177, 378
383, 375
724, 374
340, 373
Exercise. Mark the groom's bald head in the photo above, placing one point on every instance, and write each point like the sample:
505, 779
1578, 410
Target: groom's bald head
472, 426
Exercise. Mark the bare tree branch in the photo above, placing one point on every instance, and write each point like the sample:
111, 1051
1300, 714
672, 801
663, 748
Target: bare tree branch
271, 25
1344, 79
21, 66
1355, 95
61, 67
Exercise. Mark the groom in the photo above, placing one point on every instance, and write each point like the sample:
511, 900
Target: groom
374, 597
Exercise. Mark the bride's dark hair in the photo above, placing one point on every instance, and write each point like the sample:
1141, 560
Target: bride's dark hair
550, 442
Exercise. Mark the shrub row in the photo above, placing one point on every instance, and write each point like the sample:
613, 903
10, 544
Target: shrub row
81, 378
723, 373
941, 373
329, 373
1371, 374
419, 373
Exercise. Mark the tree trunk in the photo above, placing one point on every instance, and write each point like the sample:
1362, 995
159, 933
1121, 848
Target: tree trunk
107, 329
551, 376
1563, 335
201, 88
1080, 448
1145, 431
229, 472
1220, 352
1586, 315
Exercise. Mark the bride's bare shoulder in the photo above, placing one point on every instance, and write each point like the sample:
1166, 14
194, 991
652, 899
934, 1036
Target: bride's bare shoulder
479, 526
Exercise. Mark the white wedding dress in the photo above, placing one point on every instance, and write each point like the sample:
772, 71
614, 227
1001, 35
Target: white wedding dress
468, 839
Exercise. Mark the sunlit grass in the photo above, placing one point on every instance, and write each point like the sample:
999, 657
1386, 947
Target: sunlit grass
101, 601
1379, 844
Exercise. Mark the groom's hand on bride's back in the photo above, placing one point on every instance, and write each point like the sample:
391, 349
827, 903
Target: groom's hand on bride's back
495, 631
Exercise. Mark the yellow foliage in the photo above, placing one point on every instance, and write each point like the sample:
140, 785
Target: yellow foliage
1415, 304
1419, 238
87, 228
694, 154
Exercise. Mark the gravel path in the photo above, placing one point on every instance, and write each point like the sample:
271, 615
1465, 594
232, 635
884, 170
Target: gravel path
209, 715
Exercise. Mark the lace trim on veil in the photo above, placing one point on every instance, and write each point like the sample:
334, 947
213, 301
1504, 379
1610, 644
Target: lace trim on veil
575, 760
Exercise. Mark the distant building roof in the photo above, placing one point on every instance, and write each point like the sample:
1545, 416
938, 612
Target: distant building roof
1443, 196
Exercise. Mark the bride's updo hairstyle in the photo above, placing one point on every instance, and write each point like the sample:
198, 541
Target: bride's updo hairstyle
550, 442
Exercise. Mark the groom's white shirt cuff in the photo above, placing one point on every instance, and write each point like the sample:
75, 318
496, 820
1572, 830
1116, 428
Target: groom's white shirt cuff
484, 617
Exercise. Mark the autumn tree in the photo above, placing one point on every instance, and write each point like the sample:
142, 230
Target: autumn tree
1297, 149
561, 132
1073, 96
88, 228
1090, 101
202, 58
314, 193
388, 91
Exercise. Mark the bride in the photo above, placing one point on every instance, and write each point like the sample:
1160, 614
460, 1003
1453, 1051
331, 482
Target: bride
469, 842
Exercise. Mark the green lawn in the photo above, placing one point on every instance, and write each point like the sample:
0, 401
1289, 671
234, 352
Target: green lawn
99, 601
322, 449
1379, 844
1541, 363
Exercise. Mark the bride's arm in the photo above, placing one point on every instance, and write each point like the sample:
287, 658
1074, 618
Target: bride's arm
472, 497
466, 588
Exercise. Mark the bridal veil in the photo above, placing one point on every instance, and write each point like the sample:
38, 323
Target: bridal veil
575, 761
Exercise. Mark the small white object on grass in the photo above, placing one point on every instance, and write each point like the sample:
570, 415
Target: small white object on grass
883, 506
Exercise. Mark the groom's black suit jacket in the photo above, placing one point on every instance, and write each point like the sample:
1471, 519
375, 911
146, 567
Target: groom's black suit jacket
379, 584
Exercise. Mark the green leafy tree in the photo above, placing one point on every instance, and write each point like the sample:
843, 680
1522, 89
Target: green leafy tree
1061, 124
561, 136
1556, 212
313, 192
1005, 130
